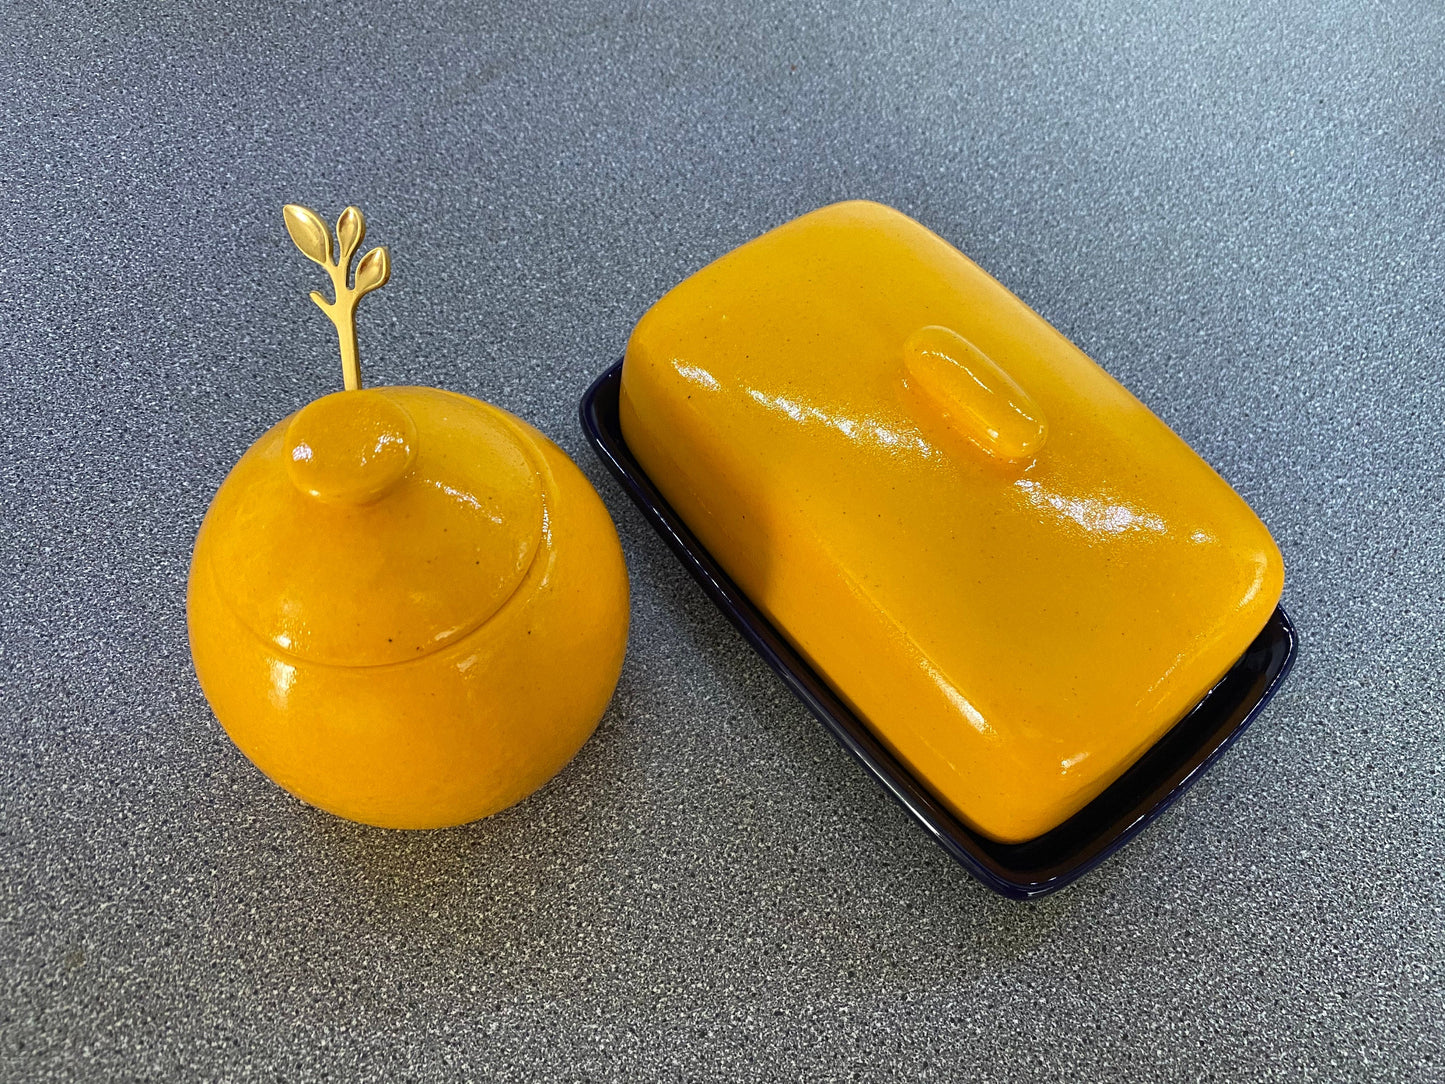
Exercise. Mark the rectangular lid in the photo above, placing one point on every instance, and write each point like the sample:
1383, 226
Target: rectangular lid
1011, 569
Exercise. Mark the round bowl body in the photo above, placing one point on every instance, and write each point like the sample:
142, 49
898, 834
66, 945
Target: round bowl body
470, 706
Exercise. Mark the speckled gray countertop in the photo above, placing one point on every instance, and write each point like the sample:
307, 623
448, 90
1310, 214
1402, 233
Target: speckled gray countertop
1238, 209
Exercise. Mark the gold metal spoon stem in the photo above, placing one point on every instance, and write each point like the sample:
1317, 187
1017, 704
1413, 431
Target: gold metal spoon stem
373, 271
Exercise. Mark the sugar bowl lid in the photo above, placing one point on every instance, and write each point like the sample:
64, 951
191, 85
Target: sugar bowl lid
374, 526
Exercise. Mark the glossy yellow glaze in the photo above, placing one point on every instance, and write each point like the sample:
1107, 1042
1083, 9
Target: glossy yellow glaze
1011, 569
407, 607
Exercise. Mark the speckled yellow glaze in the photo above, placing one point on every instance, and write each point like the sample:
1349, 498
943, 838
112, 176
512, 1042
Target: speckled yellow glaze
1016, 574
407, 607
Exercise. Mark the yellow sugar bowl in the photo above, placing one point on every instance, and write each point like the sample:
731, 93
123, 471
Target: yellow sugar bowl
406, 606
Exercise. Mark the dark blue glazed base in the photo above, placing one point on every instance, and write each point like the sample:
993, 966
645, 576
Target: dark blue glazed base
1019, 870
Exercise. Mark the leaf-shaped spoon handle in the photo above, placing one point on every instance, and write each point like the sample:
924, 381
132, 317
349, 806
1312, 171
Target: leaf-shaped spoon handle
374, 271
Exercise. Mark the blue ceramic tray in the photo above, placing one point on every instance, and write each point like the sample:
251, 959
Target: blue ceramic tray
1019, 870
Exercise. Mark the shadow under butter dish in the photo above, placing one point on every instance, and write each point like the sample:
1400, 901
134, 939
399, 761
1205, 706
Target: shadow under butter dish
996, 555
407, 607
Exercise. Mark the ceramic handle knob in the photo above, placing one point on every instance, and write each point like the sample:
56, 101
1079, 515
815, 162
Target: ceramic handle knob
974, 395
350, 447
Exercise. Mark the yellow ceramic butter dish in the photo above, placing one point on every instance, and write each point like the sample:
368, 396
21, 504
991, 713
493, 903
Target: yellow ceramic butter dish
1013, 572
406, 606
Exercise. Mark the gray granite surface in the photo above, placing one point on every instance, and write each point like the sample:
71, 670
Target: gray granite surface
1238, 209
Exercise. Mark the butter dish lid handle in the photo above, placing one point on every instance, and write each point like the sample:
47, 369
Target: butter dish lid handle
973, 394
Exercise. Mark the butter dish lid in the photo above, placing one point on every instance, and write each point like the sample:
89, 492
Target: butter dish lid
376, 526
1003, 561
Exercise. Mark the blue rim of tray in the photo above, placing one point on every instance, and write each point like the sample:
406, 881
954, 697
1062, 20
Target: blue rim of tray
1019, 870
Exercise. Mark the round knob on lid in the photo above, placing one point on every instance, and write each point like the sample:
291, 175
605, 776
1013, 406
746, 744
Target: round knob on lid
350, 447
